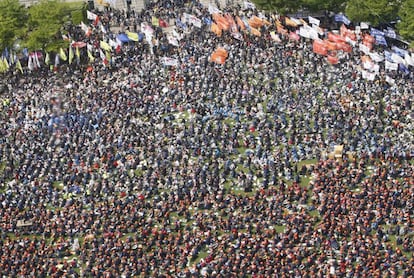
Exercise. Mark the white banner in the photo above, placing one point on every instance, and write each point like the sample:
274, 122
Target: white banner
308, 32
397, 58
167, 61
391, 66
368, 75
363, 48
313, 20
376, 57
172, 40
364, 25
389, 80
409, 59
189, 18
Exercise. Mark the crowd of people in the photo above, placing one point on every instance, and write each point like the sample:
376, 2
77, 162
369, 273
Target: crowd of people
137, 169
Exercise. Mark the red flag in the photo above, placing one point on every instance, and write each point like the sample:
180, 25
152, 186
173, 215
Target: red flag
118, 49
162, 23
96, 21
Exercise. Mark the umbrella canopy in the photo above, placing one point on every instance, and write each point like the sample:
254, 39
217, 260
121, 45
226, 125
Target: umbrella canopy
123, 38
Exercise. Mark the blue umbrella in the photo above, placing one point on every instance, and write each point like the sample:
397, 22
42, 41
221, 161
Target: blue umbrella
123, 38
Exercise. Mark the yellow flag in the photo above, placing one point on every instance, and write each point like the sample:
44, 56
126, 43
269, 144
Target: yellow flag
132, 36
108, 56
2, 67
62, 54
6, 64
19, 66
47, 59
91, 58
155, 21
105, 46
70, 55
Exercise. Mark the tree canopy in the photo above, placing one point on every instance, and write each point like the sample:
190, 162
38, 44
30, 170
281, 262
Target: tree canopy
39, 26
44, 27
406, 24
13, 18
372, 11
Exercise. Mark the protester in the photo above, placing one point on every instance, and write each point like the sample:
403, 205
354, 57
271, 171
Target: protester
139, 169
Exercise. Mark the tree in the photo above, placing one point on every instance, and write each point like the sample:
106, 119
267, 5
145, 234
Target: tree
372, 11
328, 5
46, 20
406, 24
280, 6
284, 7
13, 19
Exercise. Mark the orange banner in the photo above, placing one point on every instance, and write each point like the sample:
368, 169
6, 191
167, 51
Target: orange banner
319, 47
330, 45
240, 23
219, 56
290, 22
344, 47
255, 32
335, 38
256, 22
232, 22
216, 29
221, 21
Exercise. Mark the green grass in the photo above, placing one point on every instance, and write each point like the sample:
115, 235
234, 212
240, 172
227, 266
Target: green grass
201, 255
58, 185
279, 228
2, 166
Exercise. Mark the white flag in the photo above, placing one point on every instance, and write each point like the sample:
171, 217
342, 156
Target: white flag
30, 63
409, 59
91, 15
249, 5
36, 60
213, 10
85, 29
389, 80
